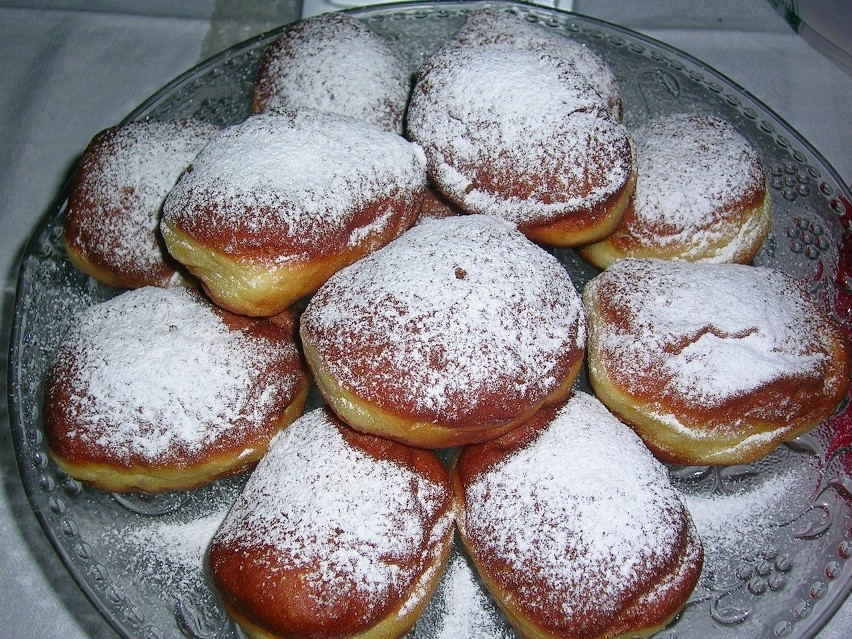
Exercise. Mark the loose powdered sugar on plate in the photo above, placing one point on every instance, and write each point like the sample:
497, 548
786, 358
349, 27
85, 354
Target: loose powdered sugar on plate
168, 547
464, 606
737, 523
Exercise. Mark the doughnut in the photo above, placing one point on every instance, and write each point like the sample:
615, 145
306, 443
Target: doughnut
712, 363
117, 192
494, 26
522, 136
158, 390
337, 534
334, 62
435, 206
456, 332
276, 204
574, 526
701, 195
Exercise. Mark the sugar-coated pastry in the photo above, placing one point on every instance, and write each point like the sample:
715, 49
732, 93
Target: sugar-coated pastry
521, 135
334, 62
337, 534
575, 527
158, 390
712, 363
116, 199
456, 332
701, 195
435, 206
495, 26
277, 203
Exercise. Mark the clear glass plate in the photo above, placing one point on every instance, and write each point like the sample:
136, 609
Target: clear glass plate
778, 533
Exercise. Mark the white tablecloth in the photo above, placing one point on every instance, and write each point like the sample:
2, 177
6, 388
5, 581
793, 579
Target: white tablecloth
73, 67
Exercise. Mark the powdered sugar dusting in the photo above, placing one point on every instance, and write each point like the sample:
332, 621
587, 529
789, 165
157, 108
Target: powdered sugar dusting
295, 179
121, 183
717, 331
494, 26
694, 171
516, 134
166, 552
466, 608
157, 375
586, 504
162, 543
185, 543
351, 521
455, 307
735, 525
334, 62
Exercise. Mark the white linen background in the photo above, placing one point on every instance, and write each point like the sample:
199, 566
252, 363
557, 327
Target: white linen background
73, 67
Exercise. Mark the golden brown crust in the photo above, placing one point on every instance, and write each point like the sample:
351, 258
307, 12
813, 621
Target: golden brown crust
608, 600
456, 332
701, 195
391, 422
739, 245
312, 192
116, 195
311, 64
780, 365
544, 155
250, 285
160, 434
166, 275
290, 612
317, 591
86, 465
586, 226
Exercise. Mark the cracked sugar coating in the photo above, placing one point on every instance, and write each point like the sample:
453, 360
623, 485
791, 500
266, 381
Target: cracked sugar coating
494, 26
461, 321
575, 527
334, 533
158, 381
334, 62
712, 359
522, 136
124, 175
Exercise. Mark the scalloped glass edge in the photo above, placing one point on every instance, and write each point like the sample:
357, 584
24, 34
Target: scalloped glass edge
662, 53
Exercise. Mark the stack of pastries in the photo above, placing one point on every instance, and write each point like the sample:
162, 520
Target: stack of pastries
403, 266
